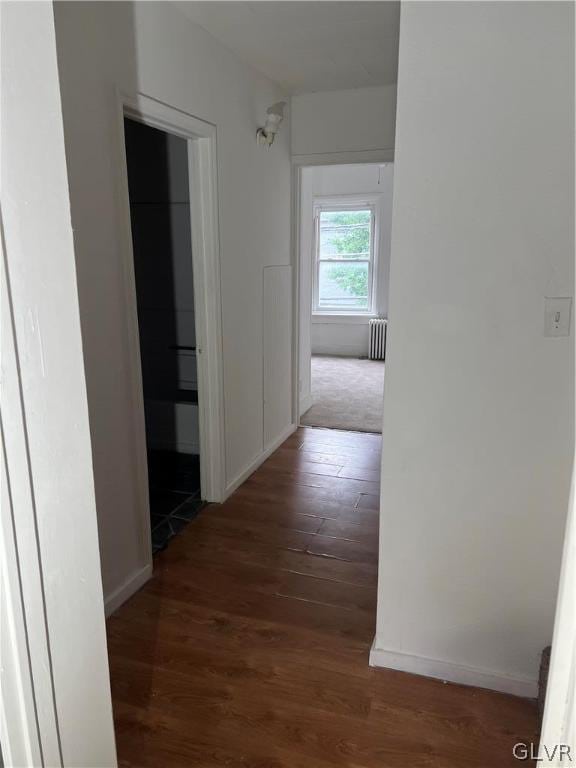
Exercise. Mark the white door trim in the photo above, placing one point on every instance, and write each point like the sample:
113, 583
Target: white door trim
358, 157
55, 704
201, 139
559, 723
28, 722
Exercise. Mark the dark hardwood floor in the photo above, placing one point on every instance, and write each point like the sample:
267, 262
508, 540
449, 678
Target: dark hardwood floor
249, 647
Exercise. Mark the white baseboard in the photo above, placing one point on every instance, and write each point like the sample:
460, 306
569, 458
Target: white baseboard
354, 351
137, 580
306, 402
453, 673
258, 460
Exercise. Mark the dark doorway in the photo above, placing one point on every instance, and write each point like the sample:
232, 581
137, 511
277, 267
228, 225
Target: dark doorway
160, 216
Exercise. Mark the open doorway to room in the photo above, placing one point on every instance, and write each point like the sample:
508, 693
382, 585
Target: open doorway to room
345, 216
173, 309
159, 190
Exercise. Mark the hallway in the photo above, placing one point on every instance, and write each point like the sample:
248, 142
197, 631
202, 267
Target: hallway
249, 647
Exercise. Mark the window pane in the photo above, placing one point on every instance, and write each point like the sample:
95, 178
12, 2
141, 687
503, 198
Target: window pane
345, 234
343, 286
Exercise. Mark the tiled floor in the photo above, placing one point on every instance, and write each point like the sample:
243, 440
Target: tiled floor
249, 646
174, 481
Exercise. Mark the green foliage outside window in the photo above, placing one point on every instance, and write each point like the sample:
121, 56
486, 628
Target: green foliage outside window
344, 241
351, 278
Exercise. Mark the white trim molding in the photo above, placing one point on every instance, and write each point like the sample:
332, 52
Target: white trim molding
559, 721
258, 460
135, 582
453, 673
329, 318
306, 402
205, 255
355, 157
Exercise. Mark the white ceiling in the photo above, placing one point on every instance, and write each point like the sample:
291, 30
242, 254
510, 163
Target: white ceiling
308, 46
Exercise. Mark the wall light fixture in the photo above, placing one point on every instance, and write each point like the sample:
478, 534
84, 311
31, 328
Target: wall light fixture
274, 116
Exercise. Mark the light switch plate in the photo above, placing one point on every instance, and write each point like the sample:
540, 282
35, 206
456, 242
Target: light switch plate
557, 316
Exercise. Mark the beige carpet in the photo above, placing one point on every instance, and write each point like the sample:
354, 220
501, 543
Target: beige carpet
346, 394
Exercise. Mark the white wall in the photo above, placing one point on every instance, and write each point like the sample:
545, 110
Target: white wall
277, 374
344, 339
153, 48
478, 404
359, 120
336, 335
48, 510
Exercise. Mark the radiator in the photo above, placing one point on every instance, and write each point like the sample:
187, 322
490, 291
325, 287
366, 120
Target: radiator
377, 342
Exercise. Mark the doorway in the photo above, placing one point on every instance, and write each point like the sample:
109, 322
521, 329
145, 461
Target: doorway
159, 192
174, 315
344, 255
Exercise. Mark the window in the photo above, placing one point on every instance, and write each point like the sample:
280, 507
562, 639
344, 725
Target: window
344, 259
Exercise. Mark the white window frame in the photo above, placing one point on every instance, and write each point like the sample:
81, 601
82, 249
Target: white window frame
337, 205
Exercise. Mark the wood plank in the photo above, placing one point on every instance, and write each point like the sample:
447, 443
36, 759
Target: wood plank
365, 532
359, 473
354, 625
328, 592
303, 515
206, 551
299, 464
337, 436
282, 478
251, 578
236, 516
358, 441
150, 620
343, 549
368, 501
267, 514
262, 488
333, 455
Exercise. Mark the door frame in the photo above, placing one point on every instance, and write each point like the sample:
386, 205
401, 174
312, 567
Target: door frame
559, 721
384, 155
205, 254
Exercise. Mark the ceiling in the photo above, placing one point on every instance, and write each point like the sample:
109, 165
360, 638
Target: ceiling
308, 46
